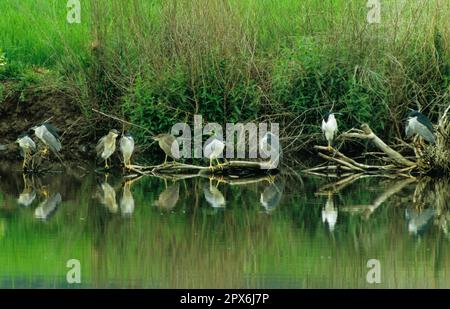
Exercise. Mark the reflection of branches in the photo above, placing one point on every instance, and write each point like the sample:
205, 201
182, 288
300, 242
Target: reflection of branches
368, 209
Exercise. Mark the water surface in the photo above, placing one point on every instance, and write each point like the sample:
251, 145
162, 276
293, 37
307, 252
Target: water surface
282, 232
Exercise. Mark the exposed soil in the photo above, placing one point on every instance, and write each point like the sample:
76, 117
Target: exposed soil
20, 111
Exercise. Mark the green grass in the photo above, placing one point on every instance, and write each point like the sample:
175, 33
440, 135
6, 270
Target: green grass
159, 62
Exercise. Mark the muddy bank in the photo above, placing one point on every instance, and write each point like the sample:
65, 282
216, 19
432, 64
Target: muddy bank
20, 110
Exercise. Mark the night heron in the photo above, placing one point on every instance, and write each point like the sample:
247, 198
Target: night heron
169, 145
330, 213
214, 149
107, 145
169, 197
48, 135
329, 128
27, 148
213, 196
47, 207
127, 148
127, 200
418, 123
269, 147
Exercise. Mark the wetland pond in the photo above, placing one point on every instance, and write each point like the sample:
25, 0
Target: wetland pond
280, 232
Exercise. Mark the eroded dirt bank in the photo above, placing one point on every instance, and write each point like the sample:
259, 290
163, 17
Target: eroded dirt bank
19, 111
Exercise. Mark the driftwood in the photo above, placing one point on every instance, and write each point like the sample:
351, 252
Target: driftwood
181, 170
386, 160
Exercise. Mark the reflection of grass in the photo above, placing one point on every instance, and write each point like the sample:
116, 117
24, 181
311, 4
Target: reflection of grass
238, 247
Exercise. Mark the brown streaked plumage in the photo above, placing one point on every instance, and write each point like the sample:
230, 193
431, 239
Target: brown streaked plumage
169, 145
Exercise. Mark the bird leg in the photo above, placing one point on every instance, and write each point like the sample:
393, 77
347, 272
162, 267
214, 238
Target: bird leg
219, 165
210, 165
165, 161
106, 164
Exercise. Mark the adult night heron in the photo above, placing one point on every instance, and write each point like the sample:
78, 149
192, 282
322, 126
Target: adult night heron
169, 145
107, 145
269, 148
48, 135
418, 123
329, 128
27, 148
214, 149
127, 148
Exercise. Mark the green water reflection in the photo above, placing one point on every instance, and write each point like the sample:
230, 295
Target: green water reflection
268, 233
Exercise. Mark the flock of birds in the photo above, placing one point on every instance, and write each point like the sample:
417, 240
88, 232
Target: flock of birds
416, 123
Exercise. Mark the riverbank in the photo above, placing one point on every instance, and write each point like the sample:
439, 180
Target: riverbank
156, 64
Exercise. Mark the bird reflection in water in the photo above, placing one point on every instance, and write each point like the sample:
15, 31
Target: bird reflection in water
48, 206
330, 213
107, 196
213, 196
418, 221
272, 194
169, 197
28, 195
127, 200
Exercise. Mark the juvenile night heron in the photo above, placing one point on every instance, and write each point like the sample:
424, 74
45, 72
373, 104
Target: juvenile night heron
127, 148
27, 148
214, 150
418, 123
107, 145
329, 128
48, 135
169, 145
269, 147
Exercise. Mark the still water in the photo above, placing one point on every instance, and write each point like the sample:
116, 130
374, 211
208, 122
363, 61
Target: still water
286, 232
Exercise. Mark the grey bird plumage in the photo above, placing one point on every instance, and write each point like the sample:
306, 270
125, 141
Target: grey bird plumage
48, 134
418, 123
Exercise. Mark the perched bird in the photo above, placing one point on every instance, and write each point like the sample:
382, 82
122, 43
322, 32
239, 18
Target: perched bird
213, 196
169, 145
127, 200
47, 207
48, 134
169, 197
329, 128
127, 148
271, 196
107, 145
27, 148
269, 147
418, 123
330, 213
214, 149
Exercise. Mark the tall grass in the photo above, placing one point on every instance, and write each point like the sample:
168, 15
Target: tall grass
160, 62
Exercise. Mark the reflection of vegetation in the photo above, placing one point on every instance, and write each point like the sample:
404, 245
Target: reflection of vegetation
238, 247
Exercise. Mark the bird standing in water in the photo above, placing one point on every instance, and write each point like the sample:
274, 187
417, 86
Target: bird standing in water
418, 123
107, 145
127, 148
169, 145
27, 146
214, 149
48, 134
